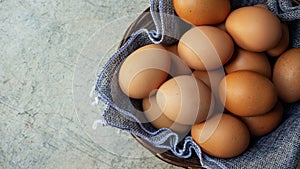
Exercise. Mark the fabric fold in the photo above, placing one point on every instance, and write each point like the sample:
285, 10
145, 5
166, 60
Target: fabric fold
279, 149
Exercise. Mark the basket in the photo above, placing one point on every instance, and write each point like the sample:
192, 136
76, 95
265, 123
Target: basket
145, 20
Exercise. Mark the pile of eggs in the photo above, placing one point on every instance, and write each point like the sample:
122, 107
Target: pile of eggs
218, 82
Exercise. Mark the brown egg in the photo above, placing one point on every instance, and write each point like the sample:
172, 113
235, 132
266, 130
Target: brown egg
221, 26
211, 78
283, 43
286, 75
185, 100
222, 136
247, 93
264, 124
144, 70
178, 66
204, 12
254, 28
262, 6
155, 116
246, 60
173, 49
205, 48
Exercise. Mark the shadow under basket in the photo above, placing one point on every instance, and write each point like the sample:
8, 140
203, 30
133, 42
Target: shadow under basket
145, 21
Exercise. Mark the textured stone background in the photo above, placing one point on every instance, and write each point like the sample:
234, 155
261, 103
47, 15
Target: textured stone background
41, 42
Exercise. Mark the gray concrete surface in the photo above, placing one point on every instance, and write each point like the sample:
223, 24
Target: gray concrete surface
40, 43
49, 56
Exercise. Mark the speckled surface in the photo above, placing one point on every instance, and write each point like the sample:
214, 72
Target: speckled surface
47, 63
40, 44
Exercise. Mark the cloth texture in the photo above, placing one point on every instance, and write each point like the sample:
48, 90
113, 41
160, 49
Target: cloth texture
278, 149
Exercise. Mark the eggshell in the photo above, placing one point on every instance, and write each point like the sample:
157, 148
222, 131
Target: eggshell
283, 43
205, 48
185, 99
222, 136
173, 49
221, 26
264, 124
254, 28
247, 93
178, 66
156, 117
144, 70
262, 6
286, 75
246, 60
211, 78
202, 12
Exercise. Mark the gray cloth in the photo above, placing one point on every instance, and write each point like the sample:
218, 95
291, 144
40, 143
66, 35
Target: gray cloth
279, 149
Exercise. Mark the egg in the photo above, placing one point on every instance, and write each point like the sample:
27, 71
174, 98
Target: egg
178, 66
173, 49
246, 60
223, 136
202, 12
255, 29
286, 75
264, 124
261, 6
185, 100
283, 43
247, 93
211, 78
221, 26
144, 70
205, 48
156, 117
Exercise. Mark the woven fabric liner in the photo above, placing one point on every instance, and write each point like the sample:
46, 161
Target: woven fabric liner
279, 149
